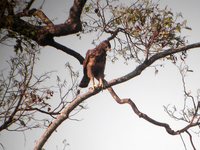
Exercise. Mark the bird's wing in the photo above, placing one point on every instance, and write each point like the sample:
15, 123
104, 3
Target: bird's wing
85, 80
87, 57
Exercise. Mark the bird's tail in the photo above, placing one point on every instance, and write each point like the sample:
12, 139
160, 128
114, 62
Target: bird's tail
84, 82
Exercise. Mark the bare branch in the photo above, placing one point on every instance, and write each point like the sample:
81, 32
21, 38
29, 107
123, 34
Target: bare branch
8, 122
139, 113
183, 142
80, 98
67, 50
44, 35
138, 70
191, 141
146, 117
62, 117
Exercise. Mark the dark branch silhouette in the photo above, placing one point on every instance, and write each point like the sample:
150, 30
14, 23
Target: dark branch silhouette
67, 50
44, 35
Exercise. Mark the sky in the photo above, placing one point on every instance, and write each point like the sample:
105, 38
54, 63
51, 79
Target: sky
105, 124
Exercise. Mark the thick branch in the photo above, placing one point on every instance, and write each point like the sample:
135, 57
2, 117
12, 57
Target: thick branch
150, 61
76, 10
44, 35
62, 117
146, 117
67, 50
77, 101
43, 17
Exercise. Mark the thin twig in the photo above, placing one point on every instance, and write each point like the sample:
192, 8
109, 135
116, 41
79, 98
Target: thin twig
191, 141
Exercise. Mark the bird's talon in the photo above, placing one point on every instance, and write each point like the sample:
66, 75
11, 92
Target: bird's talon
90, 88
93, 88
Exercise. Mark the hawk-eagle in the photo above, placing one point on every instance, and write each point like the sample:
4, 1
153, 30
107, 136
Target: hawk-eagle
94, 65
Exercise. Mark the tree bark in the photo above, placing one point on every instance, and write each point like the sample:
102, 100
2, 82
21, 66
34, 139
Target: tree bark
44, 35
138, 70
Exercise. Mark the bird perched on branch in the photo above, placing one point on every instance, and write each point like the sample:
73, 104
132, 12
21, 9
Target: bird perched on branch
94, 65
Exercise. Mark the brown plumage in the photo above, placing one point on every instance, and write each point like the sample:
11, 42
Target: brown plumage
94, 65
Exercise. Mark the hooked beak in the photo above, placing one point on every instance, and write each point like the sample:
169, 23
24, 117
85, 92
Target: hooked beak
108, 49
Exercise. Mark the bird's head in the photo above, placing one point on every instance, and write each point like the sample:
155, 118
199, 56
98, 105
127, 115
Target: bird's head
105, 45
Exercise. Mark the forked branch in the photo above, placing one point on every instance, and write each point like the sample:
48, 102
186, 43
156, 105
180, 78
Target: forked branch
137, 71
43, 32
151, 120
146, 117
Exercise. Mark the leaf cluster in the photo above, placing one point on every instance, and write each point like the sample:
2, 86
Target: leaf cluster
144, 28
21, 94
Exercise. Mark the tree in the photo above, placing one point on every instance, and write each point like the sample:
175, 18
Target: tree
142, 33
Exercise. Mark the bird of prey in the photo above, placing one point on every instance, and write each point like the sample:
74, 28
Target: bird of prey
94, 65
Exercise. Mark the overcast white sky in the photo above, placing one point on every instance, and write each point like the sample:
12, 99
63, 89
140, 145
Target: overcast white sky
107, 125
